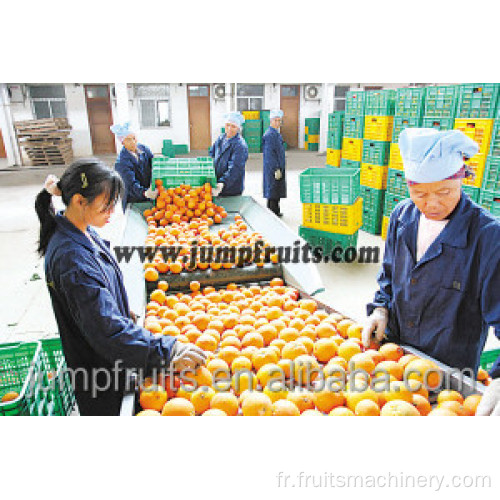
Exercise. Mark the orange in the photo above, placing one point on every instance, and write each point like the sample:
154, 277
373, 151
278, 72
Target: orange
341, 411
289, 334
214, 412
249, 351
151, 274
201, 398
302, 399
307, 342
441, 412
202, 321
337, 360
286, 366
421, 404
292, 350
312, 413
207, 342
148, 413
263, 357
425, 371
276, 282
241, 363
367, 408
348, 349
201, 377
416, 387
376, 356
269, 333
343, 325
276, 391
482, 374
353, 397
12, 395
399, 408
454, 406
152, 398
325, 330
242, 381
471, 403
404, 360
306, 369
325, 349
231, 341
253, 339
284, 408
391, 352
270, 372
226, 402
158, 296
333, 369
256, 404
354, 331
397, 390
326, 400
362, 361
308, 305
279, 343
228, 354
194, 286
390, 368
178, 407
448, 395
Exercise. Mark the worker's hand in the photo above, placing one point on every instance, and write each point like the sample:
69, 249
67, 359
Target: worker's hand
278, 175
377, 323
187, 357
490, 402
217, 190
151, 194
50, 185
133, 316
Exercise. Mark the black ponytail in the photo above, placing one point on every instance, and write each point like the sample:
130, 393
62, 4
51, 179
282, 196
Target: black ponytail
90, 178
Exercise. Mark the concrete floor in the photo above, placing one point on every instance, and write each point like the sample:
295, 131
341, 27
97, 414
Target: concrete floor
26, 312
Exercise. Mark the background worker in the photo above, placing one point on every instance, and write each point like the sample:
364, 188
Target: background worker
274, 178
88, 296
230, 154
439, 286
134, 166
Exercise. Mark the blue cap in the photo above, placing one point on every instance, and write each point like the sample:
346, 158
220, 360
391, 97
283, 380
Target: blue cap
121, 130
275, 113
430, 155
235, 118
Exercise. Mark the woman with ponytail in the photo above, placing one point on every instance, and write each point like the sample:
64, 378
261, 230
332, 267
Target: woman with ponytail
98, 335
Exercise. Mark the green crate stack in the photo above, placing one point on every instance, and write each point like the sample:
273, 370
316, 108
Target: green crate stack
328, 241
265, 116
438, 123
491, 178
473, 192
478, 100
355, 102
376, 152
354, 126
410, 102
380, 102
490, 200
176, 171
396, 183
312, 128
168, 149
252, 133
373, 207
441, 101
402, 122
335, 130
390, 202
349, 163
495, 139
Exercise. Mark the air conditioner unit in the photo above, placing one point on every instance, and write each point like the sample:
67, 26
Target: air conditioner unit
220, 91
312, 92
16, 94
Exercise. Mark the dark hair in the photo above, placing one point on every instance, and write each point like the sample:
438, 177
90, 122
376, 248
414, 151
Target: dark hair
90, 178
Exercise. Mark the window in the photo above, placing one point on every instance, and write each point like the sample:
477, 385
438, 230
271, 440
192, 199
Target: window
48, 101
289, 90
339, 97
198, 90
250, 97
154, 105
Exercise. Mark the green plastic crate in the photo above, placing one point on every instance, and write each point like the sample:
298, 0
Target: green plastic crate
438, 123
495, 139
312, 146
473, 192
331, 186
192, 171
254, 149
285, 145
60, 383
355, 102
478, 100
376, 152
313, 125
249, 125
253, 141
390, 202
441, 101
373, 207
328, 241
410, 102
181, 149
354, 126
21, 370
488, 359
491, 177
334, 140
491, 201
396, 183
380, 102
336, 120
402, 122
350, 163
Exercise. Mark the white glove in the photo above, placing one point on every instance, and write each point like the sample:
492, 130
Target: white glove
50, 185
217, 190
490, 402
278, 175
187, 357
150, 194
377, 323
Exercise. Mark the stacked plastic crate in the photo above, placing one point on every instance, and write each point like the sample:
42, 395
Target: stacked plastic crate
332, 209
176, 171
379, 118
252, 131
354, 121
312, 128
334, 138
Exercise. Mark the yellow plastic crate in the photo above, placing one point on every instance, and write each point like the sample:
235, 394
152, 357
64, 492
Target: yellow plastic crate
313, 139
395, 159
251, 115
333, 157
379, 128
306, 129
352, 149
385, 226
479, 130
340, 219
374, 176
477, 164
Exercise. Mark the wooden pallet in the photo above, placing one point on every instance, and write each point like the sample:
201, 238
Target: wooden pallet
48, 124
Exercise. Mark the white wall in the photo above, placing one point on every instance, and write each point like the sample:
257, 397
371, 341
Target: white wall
76, 109
308, 109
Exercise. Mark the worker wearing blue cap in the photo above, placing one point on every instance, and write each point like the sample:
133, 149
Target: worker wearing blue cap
439, 286
274, 163
134, 166
230, 154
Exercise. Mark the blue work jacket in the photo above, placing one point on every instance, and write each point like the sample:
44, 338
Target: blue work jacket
274, 159
135, 172
229, 162
92, 312
443, 304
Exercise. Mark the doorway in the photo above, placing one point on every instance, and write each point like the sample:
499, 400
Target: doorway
290, 105
200, 135
100, 119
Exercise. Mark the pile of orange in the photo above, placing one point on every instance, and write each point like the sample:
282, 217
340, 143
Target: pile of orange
271, 353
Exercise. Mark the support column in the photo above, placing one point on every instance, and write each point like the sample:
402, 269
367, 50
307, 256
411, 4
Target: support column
7, 126
326, 107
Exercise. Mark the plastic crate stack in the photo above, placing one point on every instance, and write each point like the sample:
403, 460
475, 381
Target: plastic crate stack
379, 118
354, 122
334, 138
176, 171
171, 150
312, 128
252, 131
332, 208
